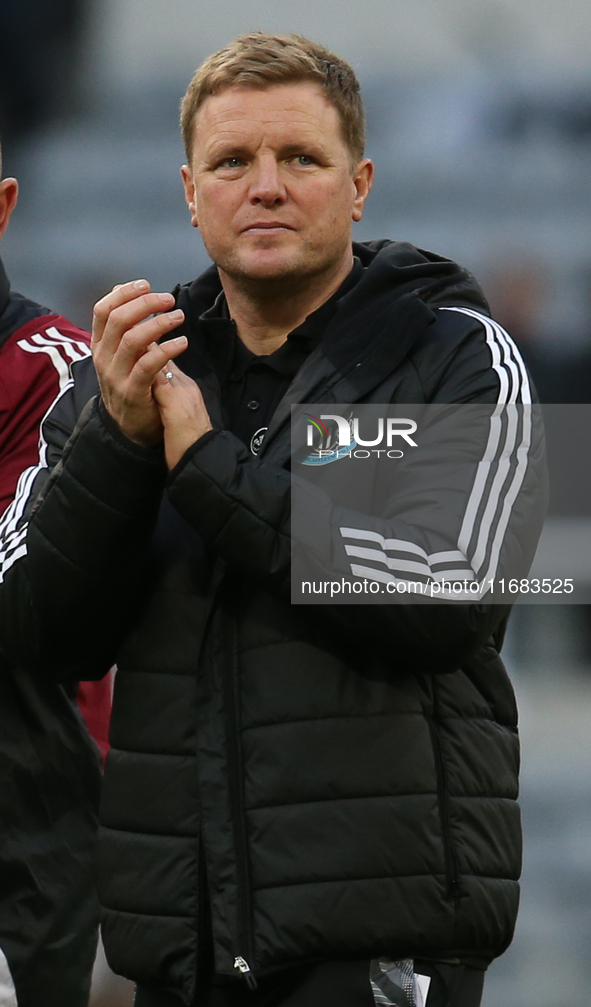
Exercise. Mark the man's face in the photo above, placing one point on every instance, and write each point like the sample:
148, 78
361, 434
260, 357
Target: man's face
271, 184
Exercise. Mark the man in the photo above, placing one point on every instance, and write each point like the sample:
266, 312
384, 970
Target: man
303, 805
49, 776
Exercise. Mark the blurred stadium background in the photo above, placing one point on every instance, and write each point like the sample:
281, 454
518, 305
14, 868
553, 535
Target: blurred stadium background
479, 121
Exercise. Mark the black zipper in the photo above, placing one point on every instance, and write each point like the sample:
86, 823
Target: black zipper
450, 856
205, 954
244, 951
204, 963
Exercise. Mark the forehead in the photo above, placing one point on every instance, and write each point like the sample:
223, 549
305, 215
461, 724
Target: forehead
277, 109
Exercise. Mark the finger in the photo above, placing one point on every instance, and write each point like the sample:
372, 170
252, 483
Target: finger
155, 360
170, 364
142, 338
170, 373
172, 387
164, 376
120, 293
125, 317
171, 368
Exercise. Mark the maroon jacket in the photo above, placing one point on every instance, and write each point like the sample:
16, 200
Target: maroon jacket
49, 769
36, 349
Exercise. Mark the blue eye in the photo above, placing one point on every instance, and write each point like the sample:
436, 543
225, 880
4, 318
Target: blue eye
305, 159
232, 162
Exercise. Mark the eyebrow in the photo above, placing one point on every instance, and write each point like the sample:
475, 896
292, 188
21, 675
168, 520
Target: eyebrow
227, 148
296, 148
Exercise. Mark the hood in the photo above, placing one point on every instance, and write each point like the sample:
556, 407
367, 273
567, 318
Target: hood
399, 267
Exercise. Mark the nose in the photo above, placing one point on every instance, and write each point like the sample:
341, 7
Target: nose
266, 185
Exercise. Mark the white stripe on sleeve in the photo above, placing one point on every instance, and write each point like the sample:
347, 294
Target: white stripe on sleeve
499, 476
63, 351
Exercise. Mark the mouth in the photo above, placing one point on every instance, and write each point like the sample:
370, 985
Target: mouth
266, 227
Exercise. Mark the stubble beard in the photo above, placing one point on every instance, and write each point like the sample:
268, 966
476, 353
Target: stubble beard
307, 273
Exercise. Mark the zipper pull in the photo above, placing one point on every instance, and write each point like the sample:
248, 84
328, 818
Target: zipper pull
242, 965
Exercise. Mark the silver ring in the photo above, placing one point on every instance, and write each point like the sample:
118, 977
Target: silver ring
168, 375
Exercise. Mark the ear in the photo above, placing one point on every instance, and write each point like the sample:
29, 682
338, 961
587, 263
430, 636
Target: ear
8, 198
362, 182
189, 186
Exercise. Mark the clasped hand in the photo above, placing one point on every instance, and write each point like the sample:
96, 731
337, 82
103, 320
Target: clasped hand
132, 369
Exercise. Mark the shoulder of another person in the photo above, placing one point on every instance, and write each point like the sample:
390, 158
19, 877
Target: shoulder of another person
64, 327
44, 352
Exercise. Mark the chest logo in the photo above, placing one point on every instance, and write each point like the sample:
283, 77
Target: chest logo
257, 439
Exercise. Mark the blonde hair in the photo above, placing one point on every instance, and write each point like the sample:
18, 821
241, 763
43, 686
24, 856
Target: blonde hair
261, 60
